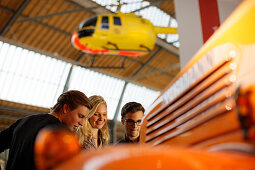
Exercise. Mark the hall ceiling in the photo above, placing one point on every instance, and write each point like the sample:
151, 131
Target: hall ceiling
51, 35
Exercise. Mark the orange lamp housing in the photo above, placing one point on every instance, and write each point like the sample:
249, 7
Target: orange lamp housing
53, 146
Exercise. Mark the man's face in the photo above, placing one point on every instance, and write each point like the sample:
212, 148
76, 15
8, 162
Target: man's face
73, 119
99, 118
132, 129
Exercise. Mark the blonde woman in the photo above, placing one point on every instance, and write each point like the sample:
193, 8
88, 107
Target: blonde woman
94, 133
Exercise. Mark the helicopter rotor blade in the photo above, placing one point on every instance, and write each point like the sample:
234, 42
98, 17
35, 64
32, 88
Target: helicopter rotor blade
119, 6
127, 3
155, 3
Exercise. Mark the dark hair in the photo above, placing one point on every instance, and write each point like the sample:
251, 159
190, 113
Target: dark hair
73, 99
131, 107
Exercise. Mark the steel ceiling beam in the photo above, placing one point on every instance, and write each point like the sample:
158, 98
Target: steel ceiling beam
89, 9
80, 57
170, 48
172, 66
155, 3
51, 15
14, 17
153, 68
145, 64
38, 22
92, 60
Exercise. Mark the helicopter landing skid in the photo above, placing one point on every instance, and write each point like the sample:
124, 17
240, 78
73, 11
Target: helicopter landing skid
143, 46
113, 44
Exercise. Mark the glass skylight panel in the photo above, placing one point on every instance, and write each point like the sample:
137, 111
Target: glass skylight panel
112, 8
112, 5
93, 83
172, 38
173, 23
135, 93
101, 2
130, 5
30, 78
177, 44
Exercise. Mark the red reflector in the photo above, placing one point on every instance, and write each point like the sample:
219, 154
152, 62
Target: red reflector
76, 42
130, 53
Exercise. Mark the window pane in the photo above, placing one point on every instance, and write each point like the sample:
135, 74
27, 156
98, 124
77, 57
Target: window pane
116, 20
29, 77
93, 83
89, 22
105, 22
135, 93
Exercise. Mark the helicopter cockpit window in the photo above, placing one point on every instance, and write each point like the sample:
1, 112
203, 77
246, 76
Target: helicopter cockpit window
105, 22
116, 21
89, 22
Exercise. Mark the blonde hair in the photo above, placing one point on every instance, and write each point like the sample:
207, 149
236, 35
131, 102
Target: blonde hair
85, 130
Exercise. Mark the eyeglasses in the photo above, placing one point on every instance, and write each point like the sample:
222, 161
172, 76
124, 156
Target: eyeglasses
130, 122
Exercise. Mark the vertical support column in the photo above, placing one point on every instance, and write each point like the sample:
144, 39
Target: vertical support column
66, 87
209, 15
113, 124
197, 21
189, 29
226, 8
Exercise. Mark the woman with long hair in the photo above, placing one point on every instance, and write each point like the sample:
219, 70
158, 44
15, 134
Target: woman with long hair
94, 133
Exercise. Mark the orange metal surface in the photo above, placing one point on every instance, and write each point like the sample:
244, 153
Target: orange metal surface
189, 109
53, 146
138, 157
191, 134
206, 100
226, 138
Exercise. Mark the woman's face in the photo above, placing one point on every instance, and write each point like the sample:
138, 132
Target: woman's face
100, 117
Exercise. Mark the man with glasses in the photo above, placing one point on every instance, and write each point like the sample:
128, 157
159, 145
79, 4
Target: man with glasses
131, 117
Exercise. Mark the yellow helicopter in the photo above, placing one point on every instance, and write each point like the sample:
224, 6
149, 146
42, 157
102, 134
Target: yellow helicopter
118, 34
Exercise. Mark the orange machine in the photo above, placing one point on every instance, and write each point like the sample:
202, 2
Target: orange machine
211, 103
204, 119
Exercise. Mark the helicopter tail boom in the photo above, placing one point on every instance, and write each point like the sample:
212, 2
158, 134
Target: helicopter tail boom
165, 30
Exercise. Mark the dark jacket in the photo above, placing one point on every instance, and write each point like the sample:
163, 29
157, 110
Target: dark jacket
20, 138
126, 140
